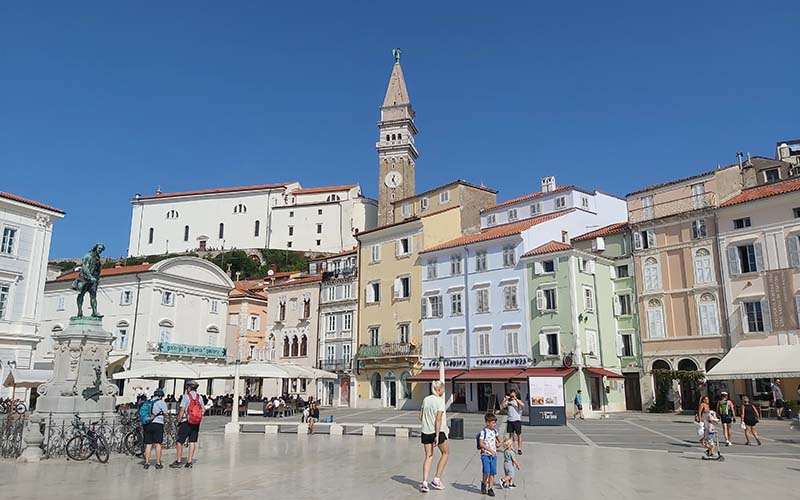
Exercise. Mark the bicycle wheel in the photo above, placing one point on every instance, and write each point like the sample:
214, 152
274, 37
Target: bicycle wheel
20, 408
78, 448
101, 449
133, 443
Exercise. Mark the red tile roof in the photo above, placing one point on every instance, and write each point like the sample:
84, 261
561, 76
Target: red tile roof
352, 251
497, 231
602, 372
530, 196
603, 231
257, 187
238, 294
678, 181
410, 219
324, 189
298, 281
32, 203
553, 246
111, 271
766, 191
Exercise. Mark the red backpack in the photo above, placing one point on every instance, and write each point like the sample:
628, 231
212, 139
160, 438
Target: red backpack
195, 410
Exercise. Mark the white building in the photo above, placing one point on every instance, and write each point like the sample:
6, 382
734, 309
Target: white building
26, 227
173, 310
276, 216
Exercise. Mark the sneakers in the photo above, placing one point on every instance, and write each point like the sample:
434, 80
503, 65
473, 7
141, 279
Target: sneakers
512, 485
519, 452
174, 465
436, 484
727, 443
490, 492
423, 488
159, 466
483, 488
146, 466
188, 465
758, 441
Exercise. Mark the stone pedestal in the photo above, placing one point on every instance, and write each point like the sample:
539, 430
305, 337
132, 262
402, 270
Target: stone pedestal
32, 441
79, 383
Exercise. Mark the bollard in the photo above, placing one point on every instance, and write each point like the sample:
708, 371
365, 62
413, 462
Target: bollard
401, 432
302, 429
337, 430
270, 430
368, 430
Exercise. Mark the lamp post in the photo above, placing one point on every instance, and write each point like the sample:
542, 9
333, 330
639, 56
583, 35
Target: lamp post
232, 427
441, 369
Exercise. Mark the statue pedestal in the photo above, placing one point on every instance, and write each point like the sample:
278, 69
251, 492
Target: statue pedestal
79, 383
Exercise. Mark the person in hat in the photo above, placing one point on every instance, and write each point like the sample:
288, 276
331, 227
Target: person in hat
188, 430
727, 415
153, 431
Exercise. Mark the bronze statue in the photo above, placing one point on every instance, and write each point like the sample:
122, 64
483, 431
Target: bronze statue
89, 278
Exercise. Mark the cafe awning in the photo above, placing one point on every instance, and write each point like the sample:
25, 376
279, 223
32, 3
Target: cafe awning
30, 379
489, 375
743, 362
161, 370
544, 372
602, 372
431, 375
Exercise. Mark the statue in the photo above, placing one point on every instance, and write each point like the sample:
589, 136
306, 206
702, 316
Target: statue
89, 278
396, 55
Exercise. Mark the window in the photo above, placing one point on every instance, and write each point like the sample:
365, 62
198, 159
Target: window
644, 239
457, 344
402, 287
745, 258
319, 242
586, 266
214, 306
546, 299
172, 214
285, 347
291, 214
652, 275
444, 197
510, 298
306, 308
796, 212
405, 333
647, 207
755, 316
455, 304
295, 346
436, 307
304, 346
121, 342
741, 223
623, 306
509, 259
433, 345
491, 220
282, 311
699, 229
331, 293
403, 246
622, 271
253, 322
655, 319
794, 249
455, 265
348, 291
331, 323
291, 230
257, 228
212, 336
150, 236
588, 299
561, 202
165, 331
772, 175
482, 297
168, 298
239, 209
288, 244
536, 208
591, 343
548, 344
347, 322
374, 335
484, 347
5, 291
431, 269
512, 215
423, 203
709, 320
375, 253
375, 386
346, 354
512, 342
703, 267
625, 345
233, 319
374, 292
548, 266
185, 233
60, 304
330, 353
332, 197
698, 196
584, 202
319, 228
480, 261
221, 230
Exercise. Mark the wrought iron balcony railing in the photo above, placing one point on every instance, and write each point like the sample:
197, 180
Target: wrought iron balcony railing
336, 365
389, 350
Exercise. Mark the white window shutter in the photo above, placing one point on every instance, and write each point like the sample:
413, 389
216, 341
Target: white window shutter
370, 294
733, 261
637, 241
543, 344
410, 244
540, 300
617, 306
765, 312
397, 287
794, 250
555, 264
743, 314
613, 271
424, 304
651, 239
537, 268
397, 250
591, 266
759, 256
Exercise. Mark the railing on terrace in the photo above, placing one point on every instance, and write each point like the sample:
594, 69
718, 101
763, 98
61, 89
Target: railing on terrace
344, 272
199, 351
672, 207
336, 365
389, 350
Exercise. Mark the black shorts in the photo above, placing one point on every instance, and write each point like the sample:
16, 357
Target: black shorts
514, 427
430, 438
726, 419
153, 433
188, 432
779, 403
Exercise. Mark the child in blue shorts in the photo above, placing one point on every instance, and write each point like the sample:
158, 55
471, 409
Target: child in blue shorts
489, 442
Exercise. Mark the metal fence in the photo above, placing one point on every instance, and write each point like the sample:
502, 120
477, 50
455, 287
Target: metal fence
11, 429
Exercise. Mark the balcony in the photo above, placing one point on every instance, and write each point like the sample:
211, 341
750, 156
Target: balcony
389, 350
672, 207
186, 350
336, 365
344, 272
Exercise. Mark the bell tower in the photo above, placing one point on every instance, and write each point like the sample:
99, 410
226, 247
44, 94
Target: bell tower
397, 152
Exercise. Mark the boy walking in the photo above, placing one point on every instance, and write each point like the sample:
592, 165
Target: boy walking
488, 441
578, 402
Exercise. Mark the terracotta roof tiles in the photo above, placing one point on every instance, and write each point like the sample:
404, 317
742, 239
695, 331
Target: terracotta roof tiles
111, 271
551, 247
257, 187
324, 189
530, 196
766, 191
298, 281
32, 203
603, 231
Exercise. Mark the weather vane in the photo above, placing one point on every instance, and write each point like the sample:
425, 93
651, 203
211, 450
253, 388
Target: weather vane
396, 54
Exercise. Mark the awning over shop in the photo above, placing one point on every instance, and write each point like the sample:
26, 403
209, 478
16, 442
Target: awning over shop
744, 362
29, 379
246, 370
157, 371
544, 372
153, 370
322, 374
115, 361
602, 372
431, 375
489, 375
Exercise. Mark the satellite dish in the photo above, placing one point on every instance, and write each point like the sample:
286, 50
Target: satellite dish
270, 272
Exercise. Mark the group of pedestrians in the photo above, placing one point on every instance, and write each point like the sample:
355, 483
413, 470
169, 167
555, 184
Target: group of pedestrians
725, 415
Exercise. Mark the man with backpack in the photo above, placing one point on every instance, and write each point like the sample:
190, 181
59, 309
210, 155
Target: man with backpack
727, 416
190, 414
151, 416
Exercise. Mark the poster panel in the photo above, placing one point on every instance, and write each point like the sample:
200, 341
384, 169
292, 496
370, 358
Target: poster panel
546, 401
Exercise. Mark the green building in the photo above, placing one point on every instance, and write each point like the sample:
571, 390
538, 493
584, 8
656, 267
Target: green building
583, 315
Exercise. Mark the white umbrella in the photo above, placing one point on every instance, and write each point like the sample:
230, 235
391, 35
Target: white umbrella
30, 379
158, 371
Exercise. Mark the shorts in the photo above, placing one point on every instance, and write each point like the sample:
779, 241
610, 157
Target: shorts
578, 407
514, 427
188, 432
430, 438
489, 465
779, 403
509, 469
153, 433
751, 423
726, 419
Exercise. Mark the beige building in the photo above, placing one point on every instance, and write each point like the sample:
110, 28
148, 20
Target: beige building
677, 275
469, 198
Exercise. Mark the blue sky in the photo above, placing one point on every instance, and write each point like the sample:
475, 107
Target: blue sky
100, 100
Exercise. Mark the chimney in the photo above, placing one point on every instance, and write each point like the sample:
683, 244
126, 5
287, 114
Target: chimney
548, 184
565, 237
228, 272
739, 156
158, 189
748, 172
137, 196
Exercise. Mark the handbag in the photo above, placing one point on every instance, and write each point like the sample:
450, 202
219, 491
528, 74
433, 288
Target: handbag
744, 426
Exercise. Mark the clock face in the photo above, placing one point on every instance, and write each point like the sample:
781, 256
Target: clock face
393, 179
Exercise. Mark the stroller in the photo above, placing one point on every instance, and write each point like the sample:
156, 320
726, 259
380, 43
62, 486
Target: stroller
712, 439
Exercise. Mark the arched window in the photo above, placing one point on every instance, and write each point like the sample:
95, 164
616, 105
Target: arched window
334, 197
185, 233
707, 311
221, 230
304, 346
375, 386
240, 209
660, 364
121, 342
285, 347
703, 267
399, 136
387, 138
257, 228
212, 333
172, 214
165, 328
150, 236
295, 346
711, 363
687, 365
393, 136
652, 275
655, 319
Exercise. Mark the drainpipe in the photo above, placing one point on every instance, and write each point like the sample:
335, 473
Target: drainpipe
600, 338
722, 285
465, 302
573, 284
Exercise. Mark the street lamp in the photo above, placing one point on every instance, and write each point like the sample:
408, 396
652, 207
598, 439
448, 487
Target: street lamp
233, 426
441, 369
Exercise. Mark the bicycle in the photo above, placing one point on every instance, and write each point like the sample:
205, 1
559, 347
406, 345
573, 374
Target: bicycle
134, 439
87, 442
16, 406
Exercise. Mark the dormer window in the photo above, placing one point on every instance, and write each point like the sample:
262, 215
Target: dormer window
240, 209
172, 214
334, 197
